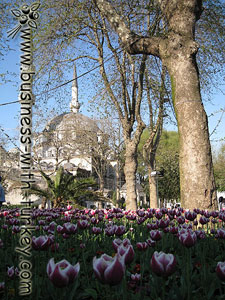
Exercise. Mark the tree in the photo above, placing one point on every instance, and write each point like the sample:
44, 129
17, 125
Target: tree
177, 50
125, 89
155, 130
62, 187
174, 37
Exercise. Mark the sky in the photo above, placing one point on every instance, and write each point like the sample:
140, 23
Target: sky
10, 114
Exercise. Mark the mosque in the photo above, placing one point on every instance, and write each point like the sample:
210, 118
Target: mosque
68, 140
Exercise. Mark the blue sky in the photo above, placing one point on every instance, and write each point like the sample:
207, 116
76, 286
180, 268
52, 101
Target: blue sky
9, 114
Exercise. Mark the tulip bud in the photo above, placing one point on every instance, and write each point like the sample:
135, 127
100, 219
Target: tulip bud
127, 252
109, 269
163, 264
156, 235
2, 286
187, 237
12, 271
62, 273
40, 243
136, 277
220, 270
142, 246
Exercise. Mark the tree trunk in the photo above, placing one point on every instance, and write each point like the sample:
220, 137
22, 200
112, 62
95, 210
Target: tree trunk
117, 171
178, 53
130, 169
152, 189
43, 203
101, 184
196, 170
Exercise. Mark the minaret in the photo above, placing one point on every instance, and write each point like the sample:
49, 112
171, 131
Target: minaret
74, 104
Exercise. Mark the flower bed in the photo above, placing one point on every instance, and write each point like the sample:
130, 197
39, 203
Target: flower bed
115, 254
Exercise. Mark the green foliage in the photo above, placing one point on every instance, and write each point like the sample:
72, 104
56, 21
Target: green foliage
63, 187
219, 169
167, 159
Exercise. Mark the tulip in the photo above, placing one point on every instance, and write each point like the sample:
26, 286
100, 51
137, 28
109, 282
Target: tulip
45, 228
120, 230
12, 271
190, 215
156, 235
220, 270
174, 230
214, 214
203, 220
140, 220
40, 243
164, 210
158, 215
96, 230
200, 234
151, 243
63, 273
117, 242
163, 264
110, 230
136, 277
82, 224
109, 270
69, 228
180, 219
52, 226
187, 237
54, 247
142, 246
127, 252
214, 221
118, 215
94, 220
82, 245
152, 226
65, 235
141, 213
41, 222
163, 223
220, 233
15, 229
2, 286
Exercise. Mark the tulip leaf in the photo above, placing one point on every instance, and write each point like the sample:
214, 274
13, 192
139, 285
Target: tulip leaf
90, 292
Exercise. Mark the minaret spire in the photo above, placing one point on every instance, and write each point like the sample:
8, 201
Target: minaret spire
74, 104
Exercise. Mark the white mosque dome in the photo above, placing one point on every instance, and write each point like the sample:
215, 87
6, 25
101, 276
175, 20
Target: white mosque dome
70, 122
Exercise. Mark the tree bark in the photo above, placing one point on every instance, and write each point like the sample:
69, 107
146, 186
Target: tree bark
152, 189
101, 183
196, 170
43, 202
178, 53
117, 171
130, 169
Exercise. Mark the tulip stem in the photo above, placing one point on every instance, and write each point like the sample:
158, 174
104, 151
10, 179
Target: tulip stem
124, 287
188, 270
